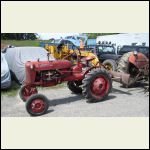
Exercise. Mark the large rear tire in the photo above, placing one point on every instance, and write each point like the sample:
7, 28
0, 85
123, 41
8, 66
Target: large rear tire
110, 64
97, 84
125, 67
74, 86
123, 63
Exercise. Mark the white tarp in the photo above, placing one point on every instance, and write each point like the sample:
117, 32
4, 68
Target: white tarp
5, 73
18, 56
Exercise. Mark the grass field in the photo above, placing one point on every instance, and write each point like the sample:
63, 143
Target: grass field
21, 42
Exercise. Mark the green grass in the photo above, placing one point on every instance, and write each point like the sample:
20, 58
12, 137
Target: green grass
22, 42
13, 91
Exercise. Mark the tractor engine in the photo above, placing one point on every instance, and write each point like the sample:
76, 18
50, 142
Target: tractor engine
47, 75
42, 72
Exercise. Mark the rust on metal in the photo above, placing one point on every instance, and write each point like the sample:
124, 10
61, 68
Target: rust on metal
120, 77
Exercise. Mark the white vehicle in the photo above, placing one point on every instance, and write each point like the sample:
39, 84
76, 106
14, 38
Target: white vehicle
125, 39
5, 73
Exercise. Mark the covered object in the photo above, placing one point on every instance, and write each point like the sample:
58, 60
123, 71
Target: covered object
5, 73
18, 56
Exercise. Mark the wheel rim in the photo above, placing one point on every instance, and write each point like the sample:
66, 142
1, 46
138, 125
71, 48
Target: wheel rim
100, 87
109, 66
28, 91
37, 106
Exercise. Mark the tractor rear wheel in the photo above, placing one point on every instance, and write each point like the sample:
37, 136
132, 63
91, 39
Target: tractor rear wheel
37, 105
74, 86
123, 63
26, 91
125, 67
97, 84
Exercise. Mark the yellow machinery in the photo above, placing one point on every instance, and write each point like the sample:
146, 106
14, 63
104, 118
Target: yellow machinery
65, 53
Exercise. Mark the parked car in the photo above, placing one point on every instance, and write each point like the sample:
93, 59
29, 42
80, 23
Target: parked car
106, 52
5, 73
18, 56
139, 48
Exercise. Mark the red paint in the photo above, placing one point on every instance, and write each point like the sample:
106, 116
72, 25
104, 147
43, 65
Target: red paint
37, 106
139, 61
88, 58
99, 87
28, 91
51, 73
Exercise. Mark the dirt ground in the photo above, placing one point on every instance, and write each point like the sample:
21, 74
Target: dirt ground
121, 102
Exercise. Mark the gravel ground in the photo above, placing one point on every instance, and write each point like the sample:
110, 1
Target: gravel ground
121, 102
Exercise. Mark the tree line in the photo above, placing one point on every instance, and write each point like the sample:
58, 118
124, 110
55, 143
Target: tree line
34, 36
18, 36
94, 35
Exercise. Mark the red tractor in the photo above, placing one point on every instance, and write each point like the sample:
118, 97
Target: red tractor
94, 83
134, 67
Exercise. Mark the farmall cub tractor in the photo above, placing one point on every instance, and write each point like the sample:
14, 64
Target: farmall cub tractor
94, 83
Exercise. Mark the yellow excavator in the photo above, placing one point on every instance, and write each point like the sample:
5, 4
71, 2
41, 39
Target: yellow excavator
63, 51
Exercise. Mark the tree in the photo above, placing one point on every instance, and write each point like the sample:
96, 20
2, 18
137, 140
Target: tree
94, 35
18, 36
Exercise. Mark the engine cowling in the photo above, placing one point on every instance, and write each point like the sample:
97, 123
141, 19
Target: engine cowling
139, 60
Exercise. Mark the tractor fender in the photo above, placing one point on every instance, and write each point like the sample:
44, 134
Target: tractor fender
138, 60
88, 70
88, 58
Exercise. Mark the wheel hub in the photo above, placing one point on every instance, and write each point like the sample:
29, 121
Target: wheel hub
37, 105
99, 86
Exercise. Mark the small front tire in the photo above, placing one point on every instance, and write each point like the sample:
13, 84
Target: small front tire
37, 105
26, 91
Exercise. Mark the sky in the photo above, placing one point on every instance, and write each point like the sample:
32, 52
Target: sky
46, 36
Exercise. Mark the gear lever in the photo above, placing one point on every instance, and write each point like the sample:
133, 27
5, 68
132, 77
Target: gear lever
48, 54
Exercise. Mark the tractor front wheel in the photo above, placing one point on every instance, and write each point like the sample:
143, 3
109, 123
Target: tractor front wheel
96, 85
37, 105
74, 86
26, 91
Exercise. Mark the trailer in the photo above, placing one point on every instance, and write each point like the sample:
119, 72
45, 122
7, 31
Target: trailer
125, 39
